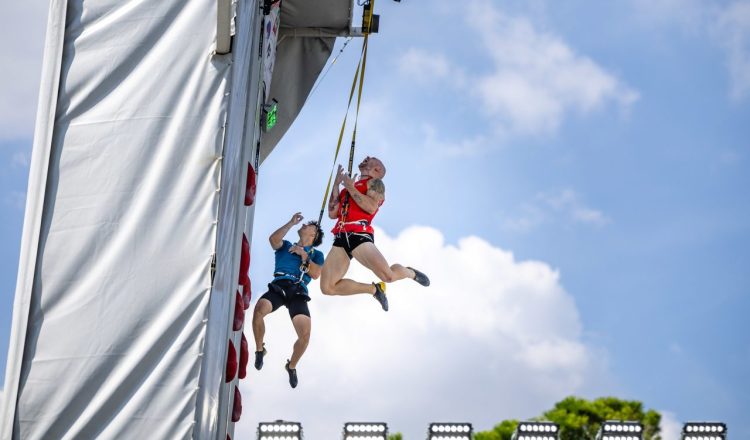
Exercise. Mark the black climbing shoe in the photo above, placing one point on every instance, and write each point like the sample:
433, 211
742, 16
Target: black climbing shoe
380, 295
420, 277
292, 374
259, 358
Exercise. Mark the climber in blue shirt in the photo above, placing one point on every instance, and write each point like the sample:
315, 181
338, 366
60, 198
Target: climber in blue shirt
296, 265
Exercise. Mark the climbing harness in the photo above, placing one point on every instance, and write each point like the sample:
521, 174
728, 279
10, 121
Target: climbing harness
305, 266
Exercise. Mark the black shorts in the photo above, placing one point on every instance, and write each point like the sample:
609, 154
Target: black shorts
290, 294
350, 240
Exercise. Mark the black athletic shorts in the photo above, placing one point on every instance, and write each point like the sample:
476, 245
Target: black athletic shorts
349, 241
290, 294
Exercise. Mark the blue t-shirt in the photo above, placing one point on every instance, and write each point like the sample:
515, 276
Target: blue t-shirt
289, 264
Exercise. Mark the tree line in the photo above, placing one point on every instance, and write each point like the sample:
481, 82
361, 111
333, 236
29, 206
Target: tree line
580, 419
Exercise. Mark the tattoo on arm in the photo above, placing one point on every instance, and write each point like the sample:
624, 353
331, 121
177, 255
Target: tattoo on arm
357, 196
377, 186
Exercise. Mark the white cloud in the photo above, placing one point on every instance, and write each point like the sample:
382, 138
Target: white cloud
21, 59
492, 337
20, 159
535, 79
670, 426
729, 26
15, 199
732, 28
687, 13
560, 205
422, 64
435, 143
729, 157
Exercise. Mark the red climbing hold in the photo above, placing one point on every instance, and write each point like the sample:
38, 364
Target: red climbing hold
250, 187
237, 409
244, 356
247, 293
231, 363
244, 260
239, 312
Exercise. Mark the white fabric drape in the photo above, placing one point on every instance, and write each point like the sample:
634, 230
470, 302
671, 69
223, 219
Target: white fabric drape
121, 280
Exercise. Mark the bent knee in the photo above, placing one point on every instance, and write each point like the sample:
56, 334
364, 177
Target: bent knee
326, 289
386, 276
258, 312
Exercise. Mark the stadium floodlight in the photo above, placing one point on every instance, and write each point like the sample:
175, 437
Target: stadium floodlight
536, 431
704, 431
450, 431
620, 430
365, 431
279, 430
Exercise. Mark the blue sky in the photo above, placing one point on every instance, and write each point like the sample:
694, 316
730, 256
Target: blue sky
592, 159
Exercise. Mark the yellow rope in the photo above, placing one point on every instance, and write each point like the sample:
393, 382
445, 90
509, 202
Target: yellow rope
359, 74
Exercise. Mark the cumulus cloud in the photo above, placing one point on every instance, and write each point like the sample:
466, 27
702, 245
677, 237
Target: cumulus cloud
22, 65
536, 79
467, 146
728, 25
562, 205
688, 13
15, 199
732, 28
422, 64
493, 337
670, 426
20, 159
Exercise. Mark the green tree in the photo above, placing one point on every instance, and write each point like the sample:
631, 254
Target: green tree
396, 436
502, 431
580, 419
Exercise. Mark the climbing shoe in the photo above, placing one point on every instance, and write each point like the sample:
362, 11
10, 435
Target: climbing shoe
292, 374
420, 277
380, 295
259, 358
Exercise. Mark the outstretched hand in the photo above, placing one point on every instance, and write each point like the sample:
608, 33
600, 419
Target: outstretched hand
296, 218
348, 181
337, 180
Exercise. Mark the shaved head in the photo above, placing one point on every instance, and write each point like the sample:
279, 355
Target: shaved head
378, 168
373, 167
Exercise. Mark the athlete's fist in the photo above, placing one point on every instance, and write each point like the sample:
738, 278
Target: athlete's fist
296, 218
348, 181
299, 250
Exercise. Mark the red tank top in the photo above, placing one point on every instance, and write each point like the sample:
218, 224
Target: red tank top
355, 219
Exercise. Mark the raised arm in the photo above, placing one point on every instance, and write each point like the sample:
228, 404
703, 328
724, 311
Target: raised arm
371, 201
277, 238
333, 201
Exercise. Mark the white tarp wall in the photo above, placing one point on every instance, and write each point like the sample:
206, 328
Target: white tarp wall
137, 181
132, 190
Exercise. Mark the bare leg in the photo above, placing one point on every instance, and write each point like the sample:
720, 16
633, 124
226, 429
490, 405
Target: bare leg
332, 281
302, 325
262, 308
370, 257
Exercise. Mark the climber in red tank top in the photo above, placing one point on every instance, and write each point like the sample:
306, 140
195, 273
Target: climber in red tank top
354, 208
350, 217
